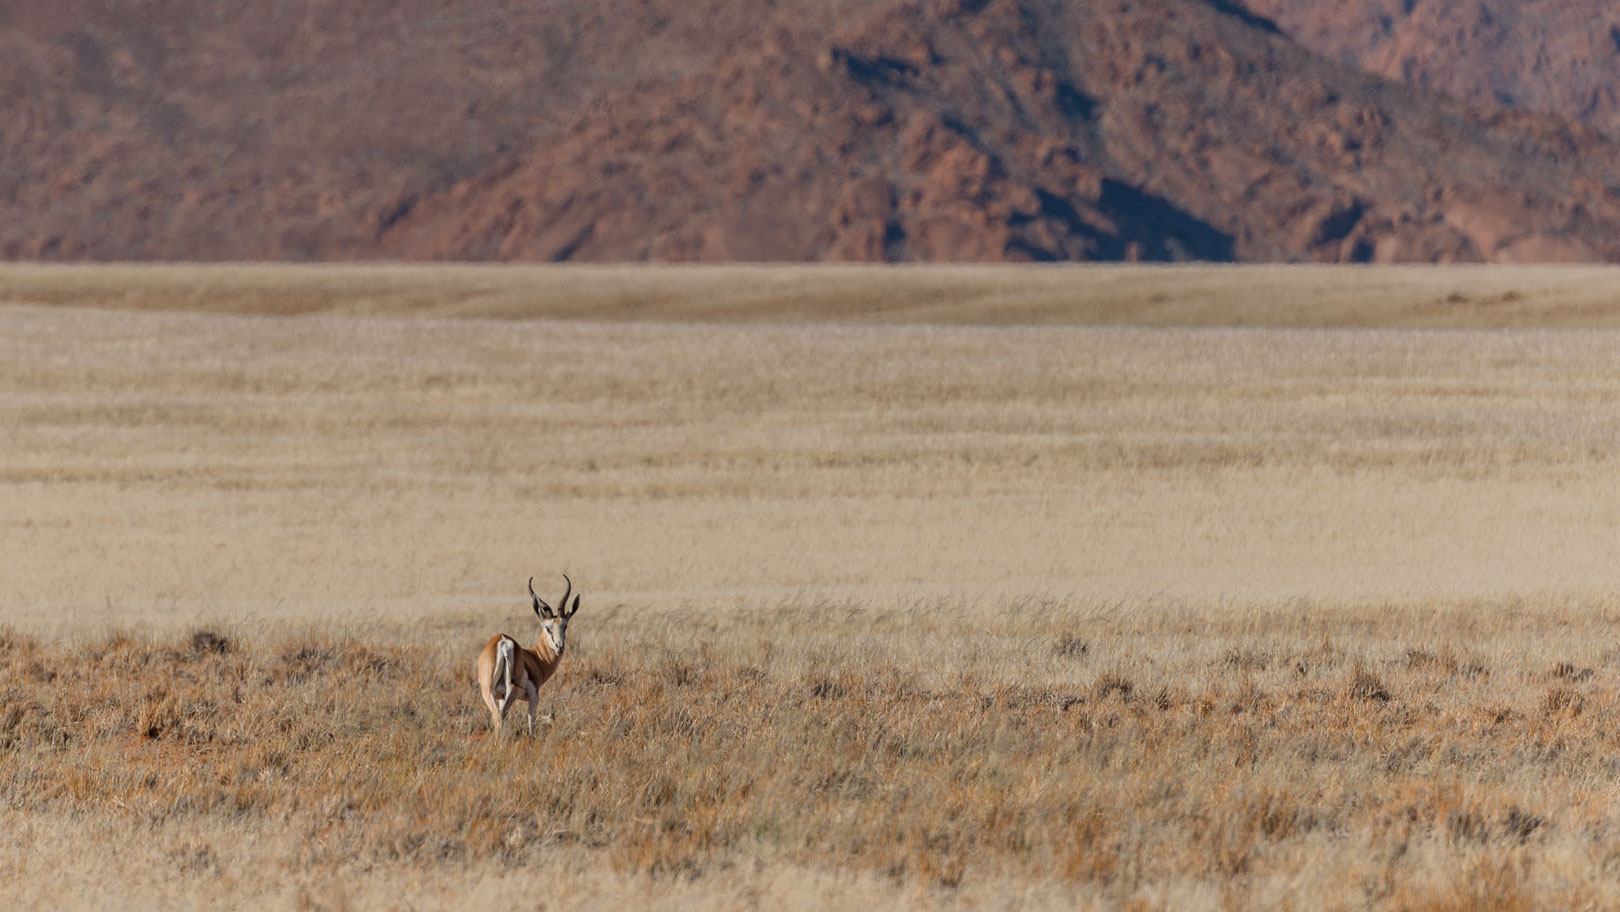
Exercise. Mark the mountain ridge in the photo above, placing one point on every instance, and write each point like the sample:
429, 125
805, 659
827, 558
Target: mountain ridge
943, 130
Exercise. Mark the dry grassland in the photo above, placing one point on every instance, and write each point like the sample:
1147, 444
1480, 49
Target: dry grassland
885, 605
1417, 297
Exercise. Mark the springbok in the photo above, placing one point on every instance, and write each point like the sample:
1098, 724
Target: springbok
506, 668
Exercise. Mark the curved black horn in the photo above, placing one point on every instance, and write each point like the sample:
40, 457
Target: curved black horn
540, 607
570, 589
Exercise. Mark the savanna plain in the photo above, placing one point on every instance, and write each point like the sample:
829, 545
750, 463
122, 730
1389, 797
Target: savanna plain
1045, 588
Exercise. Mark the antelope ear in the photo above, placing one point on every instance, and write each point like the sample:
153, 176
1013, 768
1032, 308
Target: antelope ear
574, 610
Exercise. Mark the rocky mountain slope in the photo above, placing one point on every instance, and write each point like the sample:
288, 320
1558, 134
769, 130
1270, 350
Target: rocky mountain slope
981, 130
1553, 56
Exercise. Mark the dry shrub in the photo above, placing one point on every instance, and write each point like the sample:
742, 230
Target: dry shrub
1561, 702
1113, 684
1364, 685
1246, 659
204, 642
1070, 646
1519, 825
1422, 658
1568, 671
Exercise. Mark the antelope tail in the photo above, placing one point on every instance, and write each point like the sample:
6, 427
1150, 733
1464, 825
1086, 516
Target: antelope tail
505, 658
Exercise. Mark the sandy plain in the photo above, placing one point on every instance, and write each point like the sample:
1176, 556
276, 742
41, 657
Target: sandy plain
1265, 587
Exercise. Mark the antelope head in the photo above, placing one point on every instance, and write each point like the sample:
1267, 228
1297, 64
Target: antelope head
554, 624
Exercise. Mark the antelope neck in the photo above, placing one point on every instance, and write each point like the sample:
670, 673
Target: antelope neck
543, 650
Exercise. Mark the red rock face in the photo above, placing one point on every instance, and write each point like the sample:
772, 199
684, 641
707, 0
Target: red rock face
1557, 57
706, 130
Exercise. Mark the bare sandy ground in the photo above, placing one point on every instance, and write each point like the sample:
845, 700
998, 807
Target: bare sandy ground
169, 466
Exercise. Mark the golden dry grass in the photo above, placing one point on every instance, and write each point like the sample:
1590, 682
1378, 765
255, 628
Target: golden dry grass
907, 615
1419, 757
